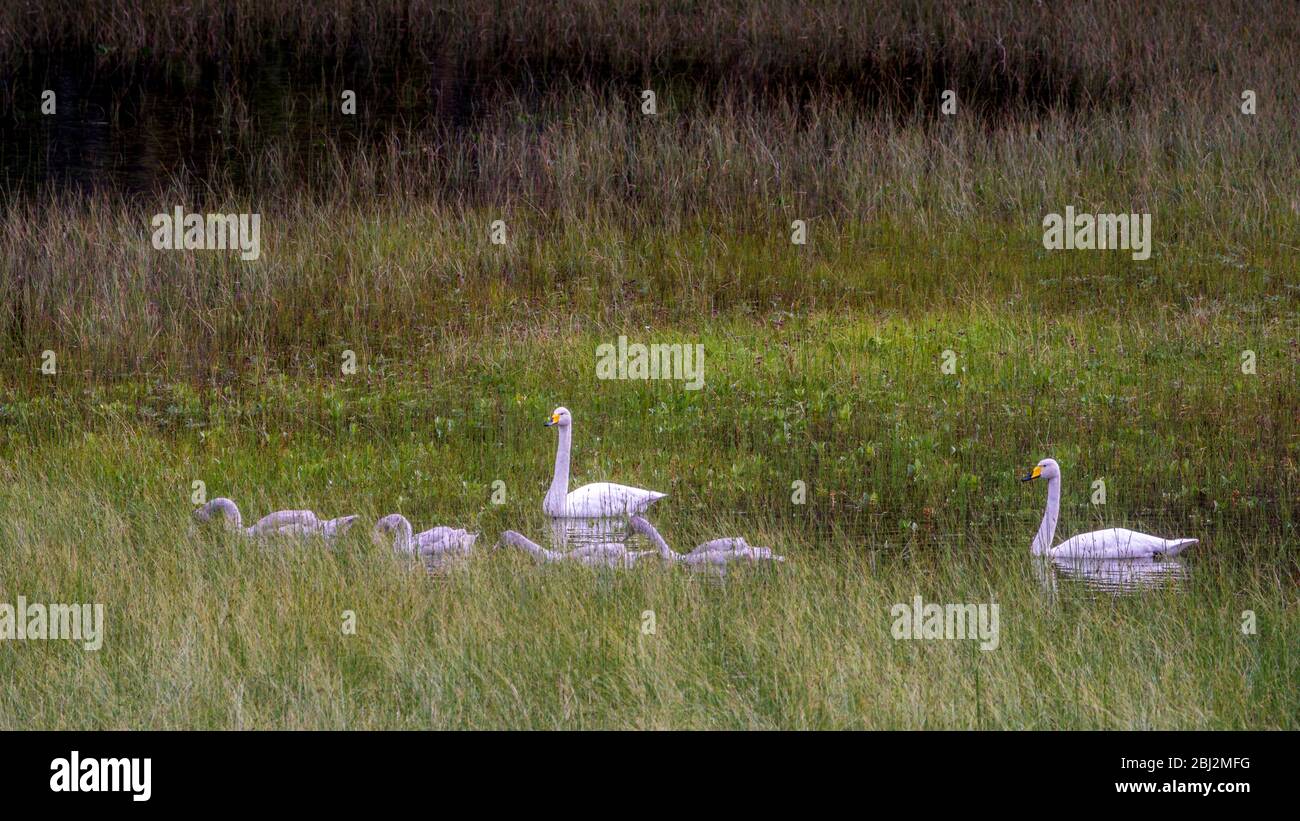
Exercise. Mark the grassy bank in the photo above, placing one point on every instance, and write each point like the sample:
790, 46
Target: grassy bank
857, 408
406, 283
911, 491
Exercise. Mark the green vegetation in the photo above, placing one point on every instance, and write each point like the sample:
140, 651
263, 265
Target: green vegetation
911, 491
822, 365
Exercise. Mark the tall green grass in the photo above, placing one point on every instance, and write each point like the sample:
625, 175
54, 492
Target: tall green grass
911, 491
399, 282
822, 366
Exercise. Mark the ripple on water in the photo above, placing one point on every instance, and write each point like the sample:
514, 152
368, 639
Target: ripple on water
1116, 577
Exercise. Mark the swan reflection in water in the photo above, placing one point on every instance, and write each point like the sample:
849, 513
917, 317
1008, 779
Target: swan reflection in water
604, 542
594, 542
1116, 577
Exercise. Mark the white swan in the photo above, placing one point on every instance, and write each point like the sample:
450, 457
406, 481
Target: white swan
601, 499
435, 546
716, 552
280, 523
1115, 543
609, 554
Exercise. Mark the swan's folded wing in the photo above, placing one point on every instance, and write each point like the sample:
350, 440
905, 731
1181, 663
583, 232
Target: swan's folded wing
1175, 546
273, 522
730, 544
292, 529
443, 539
602, 499
1119, 543
333, 528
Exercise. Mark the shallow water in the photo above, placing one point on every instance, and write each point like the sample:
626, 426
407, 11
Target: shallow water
137, 131
141, 124
570, 534
616, 536
1115, 577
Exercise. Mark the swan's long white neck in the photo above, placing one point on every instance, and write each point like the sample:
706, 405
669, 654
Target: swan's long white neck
528, 545
553, 504
404, 540
1047, 530
229, 512
664, 550
650, 532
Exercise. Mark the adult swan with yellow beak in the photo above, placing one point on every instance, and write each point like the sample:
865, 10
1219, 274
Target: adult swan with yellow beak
599, 499
1115, 543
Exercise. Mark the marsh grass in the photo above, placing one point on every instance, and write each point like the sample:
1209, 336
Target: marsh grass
849, 405
398, 282
205, 631
912, 491
376, 235
822, 361
1006, 55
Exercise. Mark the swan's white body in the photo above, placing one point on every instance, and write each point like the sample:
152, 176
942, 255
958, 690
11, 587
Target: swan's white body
610, 554
435, 546
1118, 543
715, 552
1113, 543
279, 523
599, 499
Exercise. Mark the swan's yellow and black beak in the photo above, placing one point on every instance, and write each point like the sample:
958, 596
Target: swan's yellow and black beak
554, 420
1033, 474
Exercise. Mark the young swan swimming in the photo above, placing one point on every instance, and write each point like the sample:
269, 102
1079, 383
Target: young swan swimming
716, 552
609, 554
435, 546
280, 523
1115, 543
600, 499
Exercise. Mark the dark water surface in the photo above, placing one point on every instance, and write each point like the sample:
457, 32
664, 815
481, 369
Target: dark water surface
137, 131
142, 125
